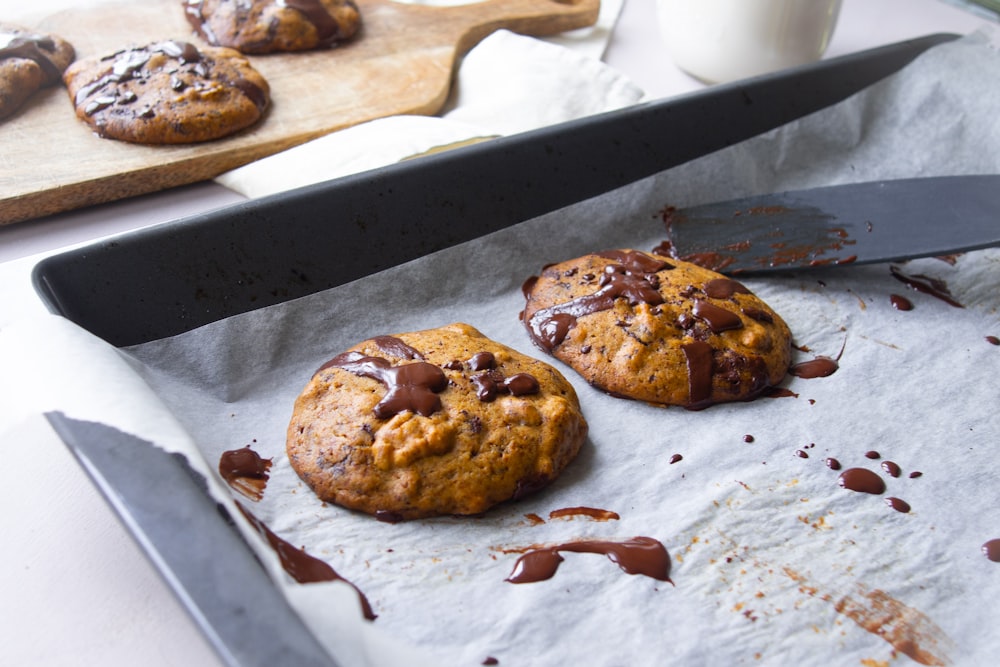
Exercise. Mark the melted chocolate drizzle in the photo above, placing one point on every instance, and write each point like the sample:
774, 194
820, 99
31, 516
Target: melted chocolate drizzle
698, 356
814, 368
638, 555
302, 567
245, 471
413, 387
723, 288
930, 286
632, 277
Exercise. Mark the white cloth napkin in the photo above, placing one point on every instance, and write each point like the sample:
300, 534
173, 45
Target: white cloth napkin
507, 84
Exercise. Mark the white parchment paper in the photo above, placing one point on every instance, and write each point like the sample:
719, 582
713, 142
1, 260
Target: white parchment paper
773, 562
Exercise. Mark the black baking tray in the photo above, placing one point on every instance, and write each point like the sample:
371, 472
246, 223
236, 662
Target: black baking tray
177, 276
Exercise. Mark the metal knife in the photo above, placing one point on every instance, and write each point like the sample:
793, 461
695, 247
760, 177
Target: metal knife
859, 223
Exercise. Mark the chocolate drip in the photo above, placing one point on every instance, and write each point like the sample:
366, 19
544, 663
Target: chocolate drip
991, 550
302, 567
395, 347
862, 480
898, 505
819, 367
412, 387
638, 555
833, 464
900, 302
931, 286
632, 278
723, 288
636, 262
698, 356
252, 91
245, 471
891, 468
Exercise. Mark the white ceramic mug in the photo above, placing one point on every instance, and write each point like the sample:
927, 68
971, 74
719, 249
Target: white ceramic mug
724, 40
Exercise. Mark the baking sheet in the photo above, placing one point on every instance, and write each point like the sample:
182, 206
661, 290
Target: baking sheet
773, 561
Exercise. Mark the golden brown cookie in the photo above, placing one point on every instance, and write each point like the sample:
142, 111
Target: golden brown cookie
267, 26
29, 61
659, 330
437, 422
167, 93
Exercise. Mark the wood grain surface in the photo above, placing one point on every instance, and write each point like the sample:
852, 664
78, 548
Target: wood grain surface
401, 62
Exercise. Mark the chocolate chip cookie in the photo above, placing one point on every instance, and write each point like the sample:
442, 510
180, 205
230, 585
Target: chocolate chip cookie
659, 330
437, 422
267, 26
29, 61
168, 92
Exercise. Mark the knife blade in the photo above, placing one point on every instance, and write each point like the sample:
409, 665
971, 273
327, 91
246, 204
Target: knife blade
838, 225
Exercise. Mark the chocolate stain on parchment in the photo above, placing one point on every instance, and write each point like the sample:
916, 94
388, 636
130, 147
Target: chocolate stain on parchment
908, 630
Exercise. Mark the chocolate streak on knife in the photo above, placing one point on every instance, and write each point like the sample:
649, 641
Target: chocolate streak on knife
811, 244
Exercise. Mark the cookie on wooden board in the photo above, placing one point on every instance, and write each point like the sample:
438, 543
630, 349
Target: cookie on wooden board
167, 92
659, 330
269, 26
29, 61
437, 422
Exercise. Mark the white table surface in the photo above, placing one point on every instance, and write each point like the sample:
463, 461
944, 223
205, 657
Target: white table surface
75, 589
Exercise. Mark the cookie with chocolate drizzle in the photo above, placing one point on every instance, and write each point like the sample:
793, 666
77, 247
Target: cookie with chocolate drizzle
29, 61
660, 330
167, 92
268, 26
428, 423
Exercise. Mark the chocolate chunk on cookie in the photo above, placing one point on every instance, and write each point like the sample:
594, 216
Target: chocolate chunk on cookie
268, 26
167, 92
437, 422
658, 330
29, 61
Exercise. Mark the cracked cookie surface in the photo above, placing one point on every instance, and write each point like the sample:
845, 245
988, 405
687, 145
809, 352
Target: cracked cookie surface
656, 329
437, 422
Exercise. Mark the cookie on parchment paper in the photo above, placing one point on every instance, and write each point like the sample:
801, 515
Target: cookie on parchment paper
437, 422
269, 26
659, 330
167, 92
29, 61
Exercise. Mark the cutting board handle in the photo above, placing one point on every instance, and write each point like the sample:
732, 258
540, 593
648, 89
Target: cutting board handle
526, 17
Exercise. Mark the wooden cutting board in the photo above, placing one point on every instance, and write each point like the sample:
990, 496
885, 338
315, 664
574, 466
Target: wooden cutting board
401, 62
